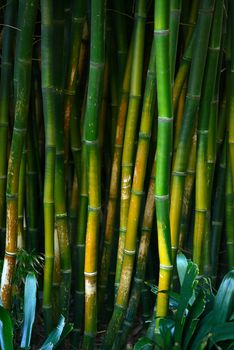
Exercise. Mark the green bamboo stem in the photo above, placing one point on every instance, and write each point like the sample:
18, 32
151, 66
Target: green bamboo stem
192, 20
183, 70
188, 190
79, 252
201, 188
32, 206
135, 202
231, 106
130, 129
175, 11
163, 153
121, 37
91, 137
218, 211
114, 182
191, 106
5, 88
61, 220
21, 203
27, 10
50, 149
229, 218
138, 282
77, 23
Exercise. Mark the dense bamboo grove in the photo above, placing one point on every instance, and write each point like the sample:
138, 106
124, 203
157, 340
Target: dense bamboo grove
116, 154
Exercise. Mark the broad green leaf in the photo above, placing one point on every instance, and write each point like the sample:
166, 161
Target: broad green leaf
30, 291
222, 310
224, 300
182, 264
66, 330
6, 330
192, 318
222, 332
144, 343
186, 293
55, 335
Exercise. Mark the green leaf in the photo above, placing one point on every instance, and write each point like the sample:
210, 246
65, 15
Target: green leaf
182, 264
224, 300
186, 292
6, 330
144, 343
231, 346
222, 310
55, 335
223, 332
30, 291
192, 318
66, 330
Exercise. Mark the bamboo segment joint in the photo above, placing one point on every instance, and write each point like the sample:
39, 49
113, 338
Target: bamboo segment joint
79, 292
69, 92
146, 229
61, 215
217, 223
129, 252
193, 97
19, 130
3, 177
78, 19
138, 193
200, 210
11, 196
3, 124
179, 173
90, 273
161, 32
203, 132
164, 197
162, 119
94, 208
166, 267
138, 280
96, 65
144, 135
122, 230
12, 254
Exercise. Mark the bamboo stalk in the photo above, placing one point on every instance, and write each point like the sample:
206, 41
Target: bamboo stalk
201, 188
138, 282
27, 12
50, 149
91, 137
114, 182
191, 106
8, 35
130, 129
163, 153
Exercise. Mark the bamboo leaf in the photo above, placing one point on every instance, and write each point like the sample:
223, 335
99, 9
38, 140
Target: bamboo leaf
221, 312
182, 265
55, 335
222, 332
66, 330
30, 291
6, 330
192, 318
186, 293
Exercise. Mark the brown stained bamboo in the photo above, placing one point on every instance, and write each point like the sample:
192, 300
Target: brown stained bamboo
130, 129
27, 16
114, 181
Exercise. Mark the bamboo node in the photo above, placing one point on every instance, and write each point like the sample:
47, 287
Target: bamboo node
69, 92
79, 292
12, 254
79, 20
138, 280
61, 215
129, 252
96, 65
217, 223
161, 32
179, 173
94, 208
202, 132
162, 197
3, 177
166, 267
146, 229
165, 119
137, 193
144, 135
19, 130
87, 274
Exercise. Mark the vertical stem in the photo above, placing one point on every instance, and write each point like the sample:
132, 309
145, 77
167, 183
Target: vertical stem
163, 153
50, 148
23, 59
91, 137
